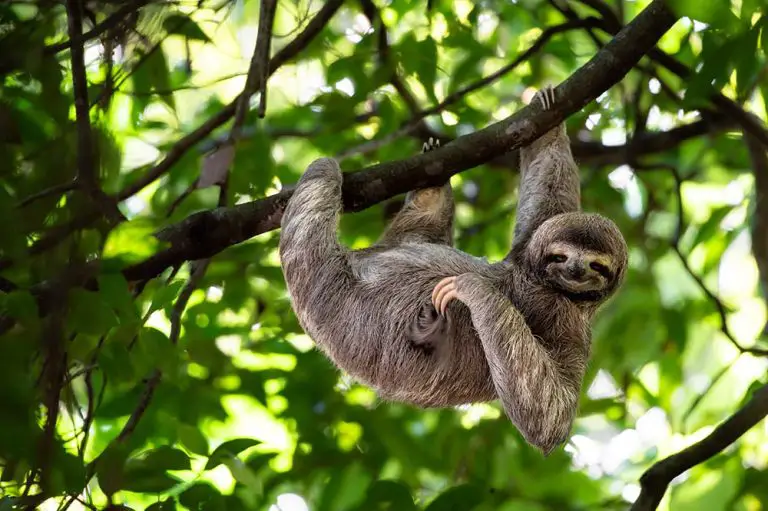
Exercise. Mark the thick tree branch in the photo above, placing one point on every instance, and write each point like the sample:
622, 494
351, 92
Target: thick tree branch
749, 122
415, 125
655, 480
759, 158
55, 235
206, 233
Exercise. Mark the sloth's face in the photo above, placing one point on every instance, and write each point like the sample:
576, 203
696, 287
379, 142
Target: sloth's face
579, 272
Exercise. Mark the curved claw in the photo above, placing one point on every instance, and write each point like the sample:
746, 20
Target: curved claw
431, 144
443, 293
546, 96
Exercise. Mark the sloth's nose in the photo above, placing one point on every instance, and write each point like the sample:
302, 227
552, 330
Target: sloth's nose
576, 269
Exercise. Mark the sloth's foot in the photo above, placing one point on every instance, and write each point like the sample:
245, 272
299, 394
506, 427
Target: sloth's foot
428, 329
430, 145
546, 96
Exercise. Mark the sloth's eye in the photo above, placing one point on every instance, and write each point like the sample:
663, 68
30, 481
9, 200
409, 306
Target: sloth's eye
599, 268
556, 258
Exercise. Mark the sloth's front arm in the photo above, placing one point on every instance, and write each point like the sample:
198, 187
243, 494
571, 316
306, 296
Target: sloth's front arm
539, 395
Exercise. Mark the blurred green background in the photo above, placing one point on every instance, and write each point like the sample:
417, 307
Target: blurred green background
247, 415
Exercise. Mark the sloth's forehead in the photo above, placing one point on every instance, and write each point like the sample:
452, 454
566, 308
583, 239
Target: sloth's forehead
584, 238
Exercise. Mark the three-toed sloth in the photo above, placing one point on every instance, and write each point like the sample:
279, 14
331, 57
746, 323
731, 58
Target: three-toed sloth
425, 323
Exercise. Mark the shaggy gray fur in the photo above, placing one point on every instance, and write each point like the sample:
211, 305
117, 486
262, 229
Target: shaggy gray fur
518, 330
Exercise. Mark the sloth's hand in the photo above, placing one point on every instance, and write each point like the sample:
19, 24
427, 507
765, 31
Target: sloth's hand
455, 288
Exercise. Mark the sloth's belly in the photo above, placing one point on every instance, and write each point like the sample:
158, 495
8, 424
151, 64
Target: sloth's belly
363, 325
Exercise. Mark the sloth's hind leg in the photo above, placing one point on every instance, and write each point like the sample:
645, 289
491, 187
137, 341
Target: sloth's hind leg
429, 331
426, 216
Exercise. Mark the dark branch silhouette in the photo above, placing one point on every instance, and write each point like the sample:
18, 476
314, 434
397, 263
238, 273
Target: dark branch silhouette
655, 480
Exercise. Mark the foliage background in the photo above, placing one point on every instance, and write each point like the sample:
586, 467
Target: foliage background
247, 415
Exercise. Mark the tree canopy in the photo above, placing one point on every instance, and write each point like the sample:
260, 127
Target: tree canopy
149, 355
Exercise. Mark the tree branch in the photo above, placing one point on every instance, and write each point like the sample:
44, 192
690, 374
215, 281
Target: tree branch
655, 480
281, 57
206, 233
759, 158
87, 172
749, 122
722, 310
258, 71
86, 168
58, 233
113, 21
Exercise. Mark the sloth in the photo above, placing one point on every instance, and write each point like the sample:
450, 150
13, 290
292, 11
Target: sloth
424, 323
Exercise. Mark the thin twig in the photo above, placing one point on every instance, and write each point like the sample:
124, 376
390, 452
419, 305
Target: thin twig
86, 167
87, 172
113, 21
612, 25
697, 401
57, 234
418, 116
720, 307
281, 57
377, 24
58, 189
655, 480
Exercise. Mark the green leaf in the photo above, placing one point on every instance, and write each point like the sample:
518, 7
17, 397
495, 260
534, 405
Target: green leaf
420, 58
146, 481
193, 439
132, 241
746, 63
388, 495
110, 468
163, 505
113, 360
20, 305
166, 458
712, 12
158, 347
598, 406
711, 226
202, 496
165, 295
89, 313
227, 449
465, 497
426, 69
152, 76
184, 26
243, 474
764, 35
114, 290
714, 72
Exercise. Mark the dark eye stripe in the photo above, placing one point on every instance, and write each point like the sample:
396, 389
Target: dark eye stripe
556, 258
601, 269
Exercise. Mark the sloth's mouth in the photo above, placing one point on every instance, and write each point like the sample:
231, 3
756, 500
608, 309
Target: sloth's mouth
578, 286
